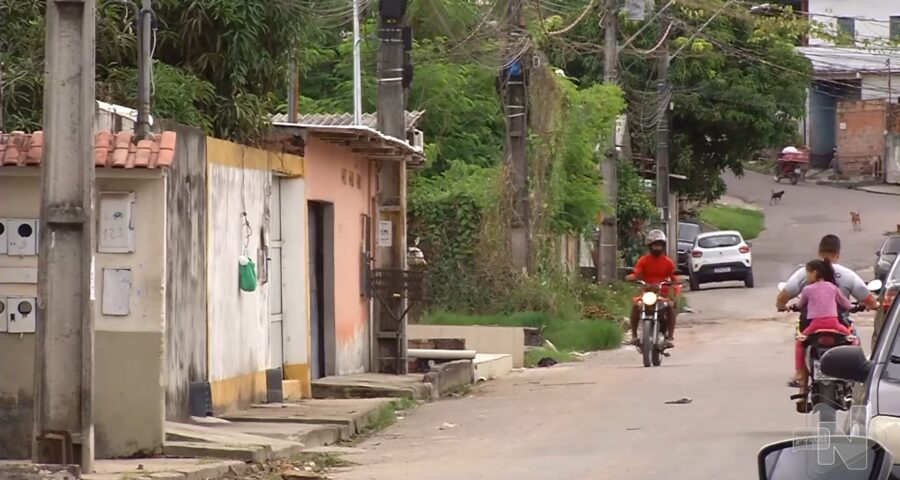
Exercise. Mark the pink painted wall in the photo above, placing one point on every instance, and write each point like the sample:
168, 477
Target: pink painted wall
333, 174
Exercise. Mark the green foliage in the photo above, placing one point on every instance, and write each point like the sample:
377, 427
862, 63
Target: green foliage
738, 87
634, 210
748, 221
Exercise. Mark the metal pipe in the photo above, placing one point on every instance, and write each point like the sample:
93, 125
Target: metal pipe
357, 68
441, 354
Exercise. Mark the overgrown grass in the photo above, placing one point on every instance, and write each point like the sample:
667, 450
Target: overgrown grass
760, 166
534, 355
386, 415
745, 220
592, 325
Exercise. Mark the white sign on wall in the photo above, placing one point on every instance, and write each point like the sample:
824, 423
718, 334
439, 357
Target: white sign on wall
385, 234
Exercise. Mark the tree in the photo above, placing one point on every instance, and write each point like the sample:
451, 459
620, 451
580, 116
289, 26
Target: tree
737, 87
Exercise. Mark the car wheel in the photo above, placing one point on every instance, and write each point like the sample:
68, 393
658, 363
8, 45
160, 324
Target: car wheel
695, 283
748, 280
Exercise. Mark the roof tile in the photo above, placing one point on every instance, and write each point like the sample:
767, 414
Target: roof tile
110, 150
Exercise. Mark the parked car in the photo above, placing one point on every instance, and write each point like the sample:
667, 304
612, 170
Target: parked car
720, 257
876, 395
888, 294
886, 256
687, 234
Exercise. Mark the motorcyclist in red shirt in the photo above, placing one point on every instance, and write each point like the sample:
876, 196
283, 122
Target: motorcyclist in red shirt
655, 267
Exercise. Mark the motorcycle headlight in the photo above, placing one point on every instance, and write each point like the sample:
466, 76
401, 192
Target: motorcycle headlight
649, 298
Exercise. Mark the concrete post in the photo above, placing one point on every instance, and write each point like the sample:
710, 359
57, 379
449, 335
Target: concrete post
515, 104
64, 353
607, 238
390, 338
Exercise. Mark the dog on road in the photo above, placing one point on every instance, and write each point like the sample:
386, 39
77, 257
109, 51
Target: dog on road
776, 197
856, 221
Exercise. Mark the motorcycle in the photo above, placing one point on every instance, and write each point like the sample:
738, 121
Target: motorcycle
826, 395
792, 165
654, 319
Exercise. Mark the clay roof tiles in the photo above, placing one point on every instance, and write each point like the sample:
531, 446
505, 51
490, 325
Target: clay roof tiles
111, 150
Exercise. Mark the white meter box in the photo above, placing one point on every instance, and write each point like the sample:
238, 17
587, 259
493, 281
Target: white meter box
21, 314
3, 236
21, 237
115, 223
3, 315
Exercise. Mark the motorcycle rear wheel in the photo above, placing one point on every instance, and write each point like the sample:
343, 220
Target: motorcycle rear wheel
647, 343
825, 401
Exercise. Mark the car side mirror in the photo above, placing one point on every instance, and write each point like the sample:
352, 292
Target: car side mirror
831, 456
847, 363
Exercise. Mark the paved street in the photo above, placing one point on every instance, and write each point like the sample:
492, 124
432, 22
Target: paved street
607, 417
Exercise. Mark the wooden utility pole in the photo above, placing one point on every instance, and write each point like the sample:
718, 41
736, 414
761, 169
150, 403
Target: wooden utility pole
513, 83
390, 352
607, 235
64, 351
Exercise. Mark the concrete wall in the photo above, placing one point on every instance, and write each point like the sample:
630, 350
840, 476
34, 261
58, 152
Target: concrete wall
129, 392
861, 136
329, 170
508, 340
186, 335
876, 85
239, 181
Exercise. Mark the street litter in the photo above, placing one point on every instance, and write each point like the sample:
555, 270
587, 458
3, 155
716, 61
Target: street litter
680, 401
447, 426
546, 362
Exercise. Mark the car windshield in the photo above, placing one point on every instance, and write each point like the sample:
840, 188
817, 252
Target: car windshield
687, 232
719, 241
892, 245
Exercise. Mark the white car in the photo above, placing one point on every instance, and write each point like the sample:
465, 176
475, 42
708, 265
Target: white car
720, 257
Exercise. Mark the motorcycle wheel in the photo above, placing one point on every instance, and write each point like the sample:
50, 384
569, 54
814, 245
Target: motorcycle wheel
794, 179
657, 356
825, 397
647, 346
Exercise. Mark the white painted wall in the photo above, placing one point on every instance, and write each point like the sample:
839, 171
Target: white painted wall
238, 321
876, 85
879, 10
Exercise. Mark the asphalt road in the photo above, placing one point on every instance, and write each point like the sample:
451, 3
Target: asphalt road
607, 417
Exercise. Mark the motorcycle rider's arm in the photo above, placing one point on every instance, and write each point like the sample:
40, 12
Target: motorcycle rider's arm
637, 271
861, 293
792, 288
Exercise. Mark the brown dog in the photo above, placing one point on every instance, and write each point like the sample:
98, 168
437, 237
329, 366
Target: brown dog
856, 221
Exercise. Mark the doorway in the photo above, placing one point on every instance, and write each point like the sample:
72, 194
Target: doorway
321, 289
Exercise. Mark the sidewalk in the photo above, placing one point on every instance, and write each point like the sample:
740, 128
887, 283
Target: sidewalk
884, 189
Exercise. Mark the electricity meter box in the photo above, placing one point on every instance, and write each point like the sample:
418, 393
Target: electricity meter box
21, 237
20, 314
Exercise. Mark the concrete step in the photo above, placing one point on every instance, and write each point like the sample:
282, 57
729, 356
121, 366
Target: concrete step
372, 385
492, 365
353, 415
183, 438
243, 453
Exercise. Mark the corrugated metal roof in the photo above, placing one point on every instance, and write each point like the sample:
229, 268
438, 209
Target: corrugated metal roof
369, 120
835, 60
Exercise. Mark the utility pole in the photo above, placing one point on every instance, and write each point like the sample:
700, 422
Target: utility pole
513, 82
607, 235
145, 66
390, 352
357, 68
293, 88
64, 351
662, 136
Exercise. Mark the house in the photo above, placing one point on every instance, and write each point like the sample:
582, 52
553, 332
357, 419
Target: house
131, 289
342, 183
840, 75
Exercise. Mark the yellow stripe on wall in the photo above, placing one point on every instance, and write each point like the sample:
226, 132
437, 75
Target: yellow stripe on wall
223, 152
235, 393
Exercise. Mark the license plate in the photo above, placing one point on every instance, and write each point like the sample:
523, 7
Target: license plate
722, 270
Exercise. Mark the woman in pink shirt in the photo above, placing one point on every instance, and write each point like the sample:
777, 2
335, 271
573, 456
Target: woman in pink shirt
821, 297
